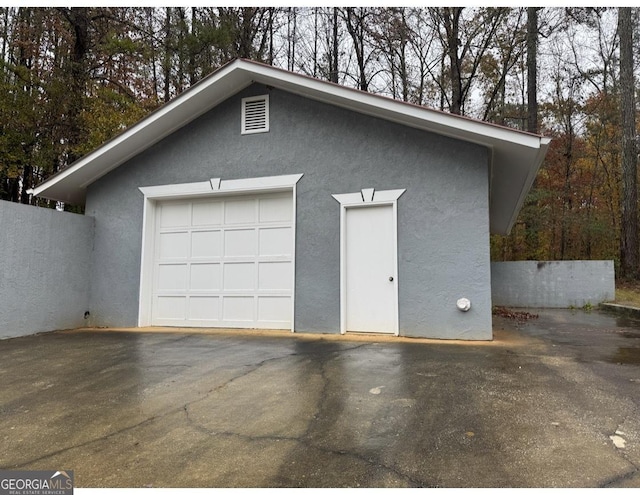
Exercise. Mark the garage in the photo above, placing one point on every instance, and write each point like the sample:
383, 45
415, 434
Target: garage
187, 234
224, 262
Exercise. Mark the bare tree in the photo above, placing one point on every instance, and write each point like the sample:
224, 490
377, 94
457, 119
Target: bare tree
356, 20
390, 34
465, 42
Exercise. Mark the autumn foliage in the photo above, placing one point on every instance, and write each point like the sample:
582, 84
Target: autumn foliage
573, 210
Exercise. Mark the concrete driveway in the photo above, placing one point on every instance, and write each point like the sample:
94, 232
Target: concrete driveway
553, 402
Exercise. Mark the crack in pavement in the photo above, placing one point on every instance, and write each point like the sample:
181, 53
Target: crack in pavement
617, 479
164, 414
622, 451
254, 368
257, 366
305, 443
303, 439
145, 421
83, 444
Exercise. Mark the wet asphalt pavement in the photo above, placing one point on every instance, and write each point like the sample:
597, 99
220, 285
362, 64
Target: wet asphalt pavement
552, 402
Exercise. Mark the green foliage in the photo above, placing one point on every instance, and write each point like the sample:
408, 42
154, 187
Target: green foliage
105, 115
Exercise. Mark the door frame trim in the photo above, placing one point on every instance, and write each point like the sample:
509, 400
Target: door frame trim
194, 190
367, 198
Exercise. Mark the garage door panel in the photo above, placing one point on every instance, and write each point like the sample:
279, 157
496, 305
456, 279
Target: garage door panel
172, 277
171, 307
206, 277
174, 245
204, 308
274, 309
206, 244
207, 213
231, 265
175, 215
275, 209
240, 242
275, 276
238, 308
240, 211
240, 276
276, 241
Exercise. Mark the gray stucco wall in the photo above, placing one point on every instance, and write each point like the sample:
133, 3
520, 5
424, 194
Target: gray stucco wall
44, 267
552, 284
443, 224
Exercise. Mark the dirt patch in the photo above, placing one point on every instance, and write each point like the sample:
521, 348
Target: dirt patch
512, 314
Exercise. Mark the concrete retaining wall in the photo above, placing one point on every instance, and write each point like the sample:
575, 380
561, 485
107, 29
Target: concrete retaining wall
45, 259
552, 284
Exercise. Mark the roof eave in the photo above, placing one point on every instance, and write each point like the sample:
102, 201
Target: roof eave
533, 172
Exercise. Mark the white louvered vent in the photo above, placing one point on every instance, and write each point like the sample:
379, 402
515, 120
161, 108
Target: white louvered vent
255, 114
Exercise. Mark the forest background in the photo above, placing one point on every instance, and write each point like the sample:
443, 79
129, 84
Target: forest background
72, 78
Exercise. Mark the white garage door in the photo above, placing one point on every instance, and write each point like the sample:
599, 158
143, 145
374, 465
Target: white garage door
224, 262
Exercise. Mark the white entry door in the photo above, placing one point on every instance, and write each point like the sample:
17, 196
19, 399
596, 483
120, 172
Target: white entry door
370, 293
224, 262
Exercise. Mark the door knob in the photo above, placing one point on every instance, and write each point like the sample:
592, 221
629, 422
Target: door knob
390, 279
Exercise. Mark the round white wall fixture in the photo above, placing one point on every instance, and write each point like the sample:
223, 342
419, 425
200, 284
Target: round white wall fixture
463, 304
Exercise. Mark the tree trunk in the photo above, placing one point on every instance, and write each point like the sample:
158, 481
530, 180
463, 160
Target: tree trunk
5, 34
291, 38
404, 72
182, 47
193, 76
356, 27
451, 18
315, 42
152, 45
270, 60
166, 63
532, 69
245, 37
78, 17
333, 66
629, 237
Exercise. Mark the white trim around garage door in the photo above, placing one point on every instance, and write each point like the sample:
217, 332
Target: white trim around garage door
362, 199
194, 190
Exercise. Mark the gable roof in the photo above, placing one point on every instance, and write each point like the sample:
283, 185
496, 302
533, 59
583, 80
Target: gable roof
515, 155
